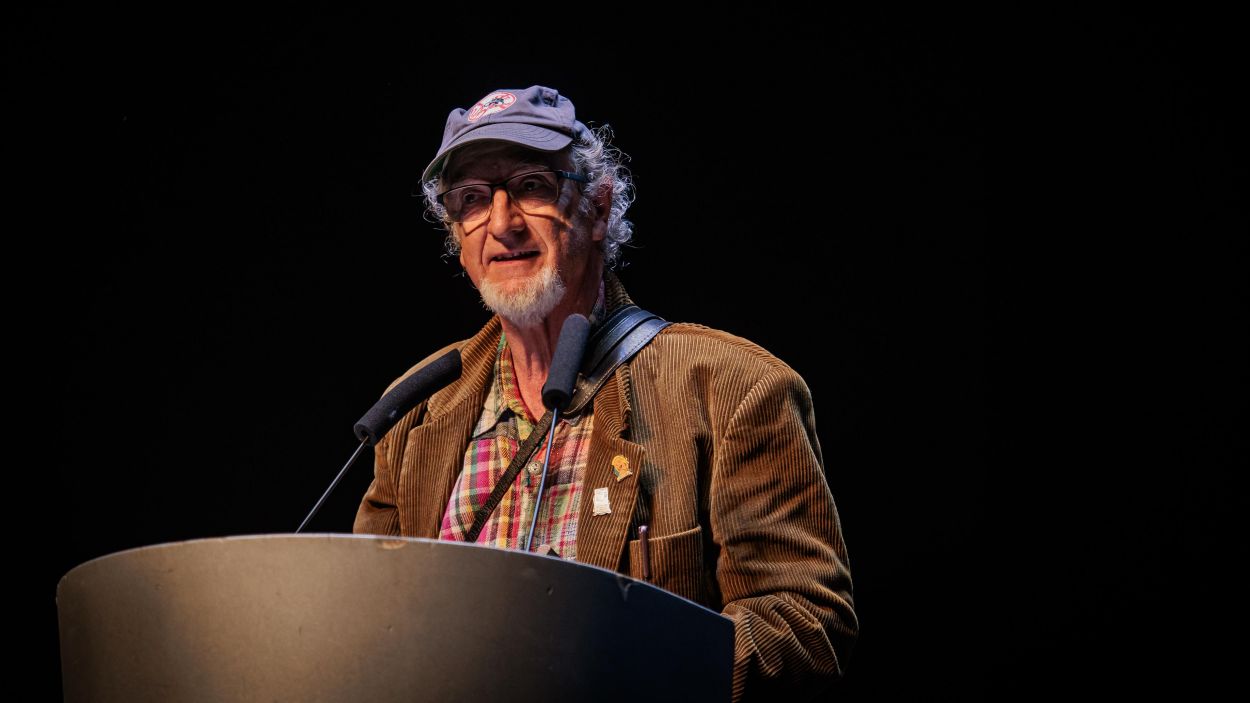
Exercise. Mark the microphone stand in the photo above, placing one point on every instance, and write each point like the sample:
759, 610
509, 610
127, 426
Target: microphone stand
558, 393
542, 483
333, 483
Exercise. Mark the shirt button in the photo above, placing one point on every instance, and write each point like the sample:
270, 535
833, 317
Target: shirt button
534, 467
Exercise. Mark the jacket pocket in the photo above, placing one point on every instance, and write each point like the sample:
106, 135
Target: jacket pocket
676, 562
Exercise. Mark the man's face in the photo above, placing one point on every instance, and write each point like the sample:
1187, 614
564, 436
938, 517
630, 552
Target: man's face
522, 262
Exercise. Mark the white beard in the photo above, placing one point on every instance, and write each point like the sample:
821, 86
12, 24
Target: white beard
527, 303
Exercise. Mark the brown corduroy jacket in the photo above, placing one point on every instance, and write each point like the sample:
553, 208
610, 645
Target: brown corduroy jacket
727, 474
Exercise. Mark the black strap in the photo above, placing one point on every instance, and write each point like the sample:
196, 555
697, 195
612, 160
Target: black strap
628, 329
523, 454
619, 337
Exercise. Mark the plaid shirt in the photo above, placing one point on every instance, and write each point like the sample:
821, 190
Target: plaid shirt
502, 427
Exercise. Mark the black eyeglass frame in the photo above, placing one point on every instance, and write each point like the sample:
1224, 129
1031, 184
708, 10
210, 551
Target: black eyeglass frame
495, 186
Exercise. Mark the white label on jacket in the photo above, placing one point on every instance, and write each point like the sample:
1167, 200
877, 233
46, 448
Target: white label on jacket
602, 507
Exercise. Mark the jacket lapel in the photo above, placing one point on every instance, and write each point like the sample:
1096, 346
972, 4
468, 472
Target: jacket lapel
601, 538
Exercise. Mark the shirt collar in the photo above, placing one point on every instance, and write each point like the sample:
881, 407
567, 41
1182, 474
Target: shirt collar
504, 394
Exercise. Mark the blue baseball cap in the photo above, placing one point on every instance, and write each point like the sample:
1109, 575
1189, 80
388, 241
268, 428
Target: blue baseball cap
536, 117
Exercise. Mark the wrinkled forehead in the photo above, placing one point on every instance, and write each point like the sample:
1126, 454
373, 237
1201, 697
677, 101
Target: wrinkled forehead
494, 161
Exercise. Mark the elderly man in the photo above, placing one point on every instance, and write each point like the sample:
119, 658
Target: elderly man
704, 438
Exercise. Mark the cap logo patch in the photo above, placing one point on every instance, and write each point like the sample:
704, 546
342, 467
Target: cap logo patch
489, 105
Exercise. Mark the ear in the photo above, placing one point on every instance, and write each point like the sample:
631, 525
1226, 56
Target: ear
463, 269
602, 199
452, 227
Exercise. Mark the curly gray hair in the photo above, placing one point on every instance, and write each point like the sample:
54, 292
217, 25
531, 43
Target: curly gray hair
593, 155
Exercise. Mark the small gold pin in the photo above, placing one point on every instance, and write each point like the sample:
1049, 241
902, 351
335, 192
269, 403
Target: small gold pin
620, 467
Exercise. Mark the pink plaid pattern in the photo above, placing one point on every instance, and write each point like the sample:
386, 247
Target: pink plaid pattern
503, 425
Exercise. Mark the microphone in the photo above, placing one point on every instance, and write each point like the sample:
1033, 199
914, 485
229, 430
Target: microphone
371, 428
404, 397
558, 392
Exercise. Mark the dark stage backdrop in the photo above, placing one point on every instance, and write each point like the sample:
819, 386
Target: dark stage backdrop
980, 258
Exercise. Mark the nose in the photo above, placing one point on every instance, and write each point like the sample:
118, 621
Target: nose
505, 218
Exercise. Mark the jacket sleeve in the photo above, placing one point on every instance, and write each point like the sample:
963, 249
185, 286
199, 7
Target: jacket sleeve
782, 567
378, 513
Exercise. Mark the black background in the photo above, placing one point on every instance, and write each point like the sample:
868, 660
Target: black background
1007, 255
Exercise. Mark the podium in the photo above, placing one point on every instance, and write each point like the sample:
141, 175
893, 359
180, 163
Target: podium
329, 617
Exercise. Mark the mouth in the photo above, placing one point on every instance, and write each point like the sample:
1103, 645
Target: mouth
514, 256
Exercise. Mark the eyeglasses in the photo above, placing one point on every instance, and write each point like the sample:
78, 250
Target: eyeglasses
529, 191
